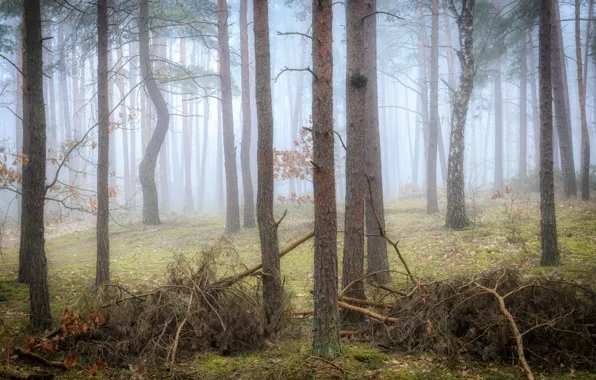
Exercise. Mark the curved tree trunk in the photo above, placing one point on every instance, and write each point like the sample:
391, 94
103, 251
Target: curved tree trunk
456, 203
548, 221
326, 318
376, 245
147, 166
249, 203
102, 273
356, 79
35, 169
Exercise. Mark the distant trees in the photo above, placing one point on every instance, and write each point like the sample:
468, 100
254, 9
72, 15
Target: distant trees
326, 316
548, 221
272, 289
232, 206
456, 207
103, 133
147, 166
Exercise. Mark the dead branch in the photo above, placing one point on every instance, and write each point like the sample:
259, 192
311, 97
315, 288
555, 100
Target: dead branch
363, 302
177, 338
31, 355
288, 69
281, 219
368, 313
293, 33
331, 364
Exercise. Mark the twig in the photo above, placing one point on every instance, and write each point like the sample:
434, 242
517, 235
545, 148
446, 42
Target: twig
383, 13
31, 355
293, 33
286, 68
331, 364
368, 313
177, 338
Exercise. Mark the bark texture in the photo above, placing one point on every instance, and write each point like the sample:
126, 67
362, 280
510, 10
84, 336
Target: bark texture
432, 205
272, 289
326, 315
35, 169
523, 117
147, 166
376, 246
548, 222
456, 203
585, 136
102, 273
223, 41
249, 202
498, 184
356, 80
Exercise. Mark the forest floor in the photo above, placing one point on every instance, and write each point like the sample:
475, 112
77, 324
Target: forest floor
504, 232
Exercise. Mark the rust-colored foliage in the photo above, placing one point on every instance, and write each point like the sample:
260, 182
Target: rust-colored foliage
295, 163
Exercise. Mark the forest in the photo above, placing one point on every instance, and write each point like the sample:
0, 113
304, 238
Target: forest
295, 189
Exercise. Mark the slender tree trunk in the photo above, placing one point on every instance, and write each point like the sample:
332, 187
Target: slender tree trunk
147, 166
432, 205
205, 142
53, 134
498, 183
326, 318
112, 180
585, 139
64, 102
548, 221
102, 274
124, 120
562, 108
523, 118
34, 171
356, 81
456, 206
418, 127
376, 245
187, 140
19, 129
249, 204
24, 255
272, 289
132, 82
535, 106
232, 207
219, 178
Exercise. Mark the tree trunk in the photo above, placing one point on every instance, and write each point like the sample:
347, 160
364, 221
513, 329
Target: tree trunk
124, 126
561, 108
326, 318
24, 255
272, 289
132, 83
223, 41
187, 139
34, 171
498, 184
456, 206
19, 127
205, 142
249, 203
548, 222
102, 274
64, 102
535, 107
219, 178
376, 245
147, 166
523, 118
585, 147
432, 205
356, 81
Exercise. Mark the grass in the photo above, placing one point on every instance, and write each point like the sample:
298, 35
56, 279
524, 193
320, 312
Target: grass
504, 232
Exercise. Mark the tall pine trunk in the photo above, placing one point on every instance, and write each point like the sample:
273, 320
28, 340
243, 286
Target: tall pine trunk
535, 105
432, 205
187, 139
326, 317
125, 125
456, 206
523, 118
34, 171
548, 221
147, 166
102, 274
498, 180
223, 40
376, 245
356, 81
205, 142
249, 203
585, 142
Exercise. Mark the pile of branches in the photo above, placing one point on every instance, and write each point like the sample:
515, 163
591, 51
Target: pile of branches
498, 316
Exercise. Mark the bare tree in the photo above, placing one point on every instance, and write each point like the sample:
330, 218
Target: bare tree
102, 274
548, 222
223, 40
456, 206
326, 318
249, 203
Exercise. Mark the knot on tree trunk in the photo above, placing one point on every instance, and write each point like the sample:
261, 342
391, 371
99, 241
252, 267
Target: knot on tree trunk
358, 79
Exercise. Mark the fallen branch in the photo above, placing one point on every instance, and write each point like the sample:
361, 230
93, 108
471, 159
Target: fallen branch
31, 355
364, 302
368, 313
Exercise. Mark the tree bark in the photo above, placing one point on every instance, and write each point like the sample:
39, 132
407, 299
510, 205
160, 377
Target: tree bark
23, 144
187, 139
147, 166
523, 117
456, 206
326, 316
535, 106
548, 222
205, 142
223, 40
35, 169
498, 183
219, 177
249, 203
356, 82
124, 126
272, 289
64, 102
375, 244
432, 205
561, 107
132, 82
585, 136
102, 274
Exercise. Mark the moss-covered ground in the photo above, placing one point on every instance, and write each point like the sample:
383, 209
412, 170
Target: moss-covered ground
503, 232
